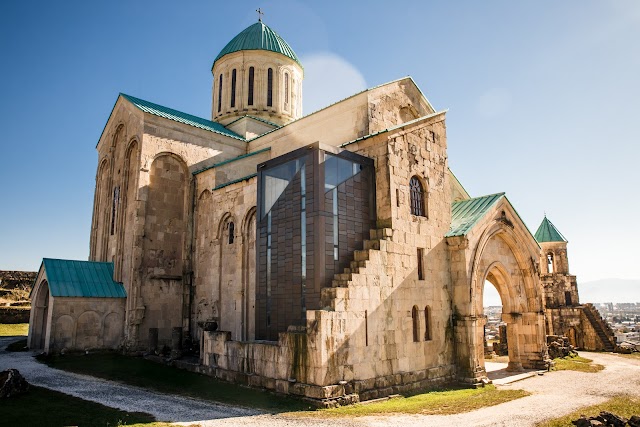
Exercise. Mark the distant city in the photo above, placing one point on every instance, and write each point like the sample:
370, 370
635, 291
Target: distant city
623, 317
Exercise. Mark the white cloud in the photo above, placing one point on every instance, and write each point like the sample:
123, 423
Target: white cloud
328, 78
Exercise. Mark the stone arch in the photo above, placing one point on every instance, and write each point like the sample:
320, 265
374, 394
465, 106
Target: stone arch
205, 267
164, 246
100, 210
249, 274
230, 288
63, 333
112, 330
166, 215
503, 256
88, 327
124, 249
39, 324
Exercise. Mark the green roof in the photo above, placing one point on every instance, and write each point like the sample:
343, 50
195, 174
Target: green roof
466, 213
180, 117
547, 232
91, 279
258, 37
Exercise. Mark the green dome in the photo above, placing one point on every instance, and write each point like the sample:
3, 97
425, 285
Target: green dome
259, 37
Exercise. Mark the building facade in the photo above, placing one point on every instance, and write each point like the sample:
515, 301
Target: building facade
332, 256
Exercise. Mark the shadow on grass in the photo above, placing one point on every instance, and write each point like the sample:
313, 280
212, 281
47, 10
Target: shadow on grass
143, 373
43, 407
19, 345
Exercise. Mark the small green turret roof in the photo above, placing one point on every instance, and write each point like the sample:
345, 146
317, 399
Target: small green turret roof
258, 37
547, 232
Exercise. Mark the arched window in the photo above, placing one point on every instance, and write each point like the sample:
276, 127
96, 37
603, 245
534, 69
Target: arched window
270, 87
415, 318
220, 94
233, 88
549, 263
417, 197
114, 208
231, 232
286, 88
427, 323
251, 77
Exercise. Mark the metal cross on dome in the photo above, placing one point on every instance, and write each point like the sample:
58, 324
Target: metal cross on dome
260, 13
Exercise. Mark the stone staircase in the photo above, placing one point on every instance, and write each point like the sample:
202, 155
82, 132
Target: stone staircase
362, 260
603, 330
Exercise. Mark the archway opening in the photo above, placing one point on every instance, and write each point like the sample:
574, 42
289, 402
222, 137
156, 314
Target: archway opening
504, 357
41, 317
496, 344
495, 332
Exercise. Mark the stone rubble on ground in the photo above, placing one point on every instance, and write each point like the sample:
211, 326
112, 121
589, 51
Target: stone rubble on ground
607, 419
12, 383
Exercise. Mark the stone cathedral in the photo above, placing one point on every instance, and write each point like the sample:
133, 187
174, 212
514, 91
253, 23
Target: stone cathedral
331, 256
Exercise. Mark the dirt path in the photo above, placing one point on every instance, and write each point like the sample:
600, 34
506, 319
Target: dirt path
553, 395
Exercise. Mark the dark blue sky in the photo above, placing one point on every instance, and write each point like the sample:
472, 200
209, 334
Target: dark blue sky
542, 98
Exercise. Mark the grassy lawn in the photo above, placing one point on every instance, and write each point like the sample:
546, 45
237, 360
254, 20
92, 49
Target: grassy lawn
438, 402
624, 406
40, 407
143, 373
576, 363
8, 330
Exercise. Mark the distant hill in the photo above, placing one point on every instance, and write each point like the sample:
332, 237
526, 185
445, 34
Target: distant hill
610, 290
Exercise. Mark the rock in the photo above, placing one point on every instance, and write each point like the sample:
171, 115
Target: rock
12, 383
634, 421
581, 422
613, 419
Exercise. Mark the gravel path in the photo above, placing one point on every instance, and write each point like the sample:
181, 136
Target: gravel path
553, 395
133, 399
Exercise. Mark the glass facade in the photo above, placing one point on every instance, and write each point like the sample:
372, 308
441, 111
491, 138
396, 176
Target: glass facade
314, 208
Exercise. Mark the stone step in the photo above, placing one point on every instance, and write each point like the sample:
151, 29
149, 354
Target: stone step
339, 283
342, 276
361, 255
351, 270
358, 264
380, 233
372, 244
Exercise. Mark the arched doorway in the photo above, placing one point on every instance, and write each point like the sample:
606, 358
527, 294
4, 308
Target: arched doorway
40, 318
497, 276
504, 253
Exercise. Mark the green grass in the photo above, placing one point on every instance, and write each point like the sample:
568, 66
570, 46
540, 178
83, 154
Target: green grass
9, 330
440, 402
42, 407
576, 363
143, 373
624, 406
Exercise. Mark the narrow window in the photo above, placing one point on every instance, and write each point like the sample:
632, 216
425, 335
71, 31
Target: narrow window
417, 197
427, 323
415, 318
231, 232
114, 208
397, 198
420, 265
286, 89
250, 97
366, 328
549, 263
567, 298
233, 88
220, 94
270, 87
